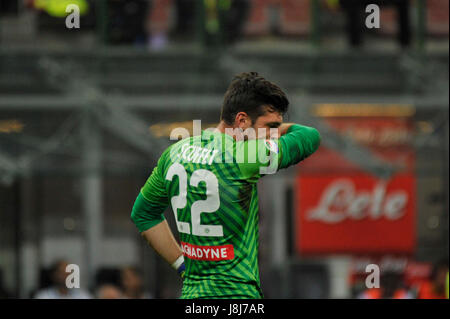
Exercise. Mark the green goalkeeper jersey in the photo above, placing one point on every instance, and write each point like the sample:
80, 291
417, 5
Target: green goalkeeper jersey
210, 183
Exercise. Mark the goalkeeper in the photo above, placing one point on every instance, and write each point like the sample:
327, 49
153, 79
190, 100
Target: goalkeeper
210, 182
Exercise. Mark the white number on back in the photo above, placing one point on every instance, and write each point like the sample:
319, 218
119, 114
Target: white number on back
210, 205
179, 201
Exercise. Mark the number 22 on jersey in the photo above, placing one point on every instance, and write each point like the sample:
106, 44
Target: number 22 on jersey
210, 205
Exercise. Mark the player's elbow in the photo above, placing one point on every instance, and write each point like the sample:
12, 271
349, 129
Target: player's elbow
136, 213
312, 140
135, 217
315, 139
138, 219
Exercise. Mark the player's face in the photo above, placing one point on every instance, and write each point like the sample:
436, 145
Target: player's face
270, 120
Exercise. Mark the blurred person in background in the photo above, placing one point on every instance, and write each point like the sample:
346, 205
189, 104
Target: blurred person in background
109, 291
58, 288
51, 14
127, 21
236, 18
355, 11
132, 284
57, 8
436, 286
391, 287
224, 20
185, 17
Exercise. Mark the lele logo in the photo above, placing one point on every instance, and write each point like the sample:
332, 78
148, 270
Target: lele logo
341, 201
355, 214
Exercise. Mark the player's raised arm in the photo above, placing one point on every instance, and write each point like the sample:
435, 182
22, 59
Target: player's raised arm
297, 142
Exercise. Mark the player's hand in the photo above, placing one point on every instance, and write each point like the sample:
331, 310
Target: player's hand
283, 128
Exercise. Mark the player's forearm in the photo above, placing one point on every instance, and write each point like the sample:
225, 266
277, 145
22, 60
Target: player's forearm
161, 239
298, 143
148, 216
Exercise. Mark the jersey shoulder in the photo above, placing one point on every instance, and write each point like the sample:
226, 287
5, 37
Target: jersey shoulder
171, 153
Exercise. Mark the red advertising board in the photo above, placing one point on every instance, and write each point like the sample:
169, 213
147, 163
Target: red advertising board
340, 208
355, 214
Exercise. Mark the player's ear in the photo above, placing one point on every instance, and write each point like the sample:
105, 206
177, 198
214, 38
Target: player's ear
242, 120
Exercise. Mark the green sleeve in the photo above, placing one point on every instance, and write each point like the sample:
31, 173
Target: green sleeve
298, 143
260, 157
152, 201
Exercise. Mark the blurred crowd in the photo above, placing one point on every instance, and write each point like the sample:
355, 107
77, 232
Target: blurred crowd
128, 283
146, 22
153, 22
111, 283
394, 285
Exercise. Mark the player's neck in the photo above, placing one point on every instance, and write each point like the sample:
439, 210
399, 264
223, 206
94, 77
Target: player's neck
222, 127
235, 132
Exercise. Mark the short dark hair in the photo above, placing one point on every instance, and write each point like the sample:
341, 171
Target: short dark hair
249, 92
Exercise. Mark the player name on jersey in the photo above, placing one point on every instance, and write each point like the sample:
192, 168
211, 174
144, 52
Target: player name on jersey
197, 154
211, 253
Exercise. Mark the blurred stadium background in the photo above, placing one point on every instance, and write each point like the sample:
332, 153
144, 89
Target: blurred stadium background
85, 113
